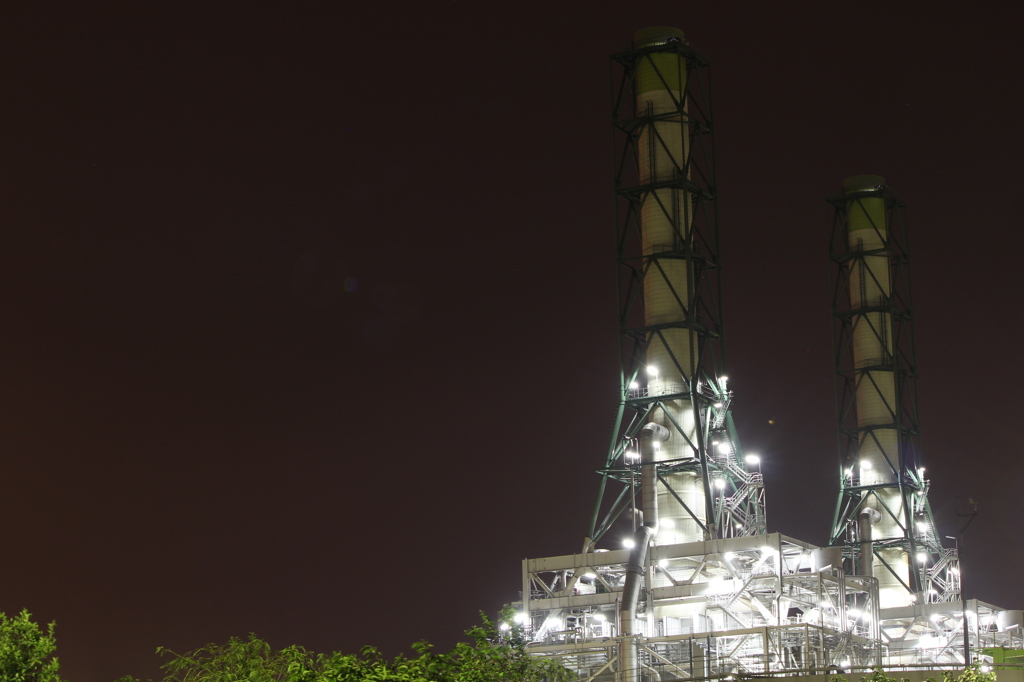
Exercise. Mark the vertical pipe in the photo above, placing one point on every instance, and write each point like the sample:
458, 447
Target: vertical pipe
867, 517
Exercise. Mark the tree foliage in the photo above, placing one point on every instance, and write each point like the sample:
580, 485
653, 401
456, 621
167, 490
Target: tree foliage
490, 655
26, 651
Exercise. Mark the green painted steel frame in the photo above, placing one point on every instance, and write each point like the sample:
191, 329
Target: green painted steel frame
741, 500
903, 364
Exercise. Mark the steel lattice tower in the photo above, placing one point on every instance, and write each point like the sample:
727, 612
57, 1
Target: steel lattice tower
882, 518
669, 304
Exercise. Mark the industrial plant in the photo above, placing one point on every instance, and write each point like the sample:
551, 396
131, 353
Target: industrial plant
702, 590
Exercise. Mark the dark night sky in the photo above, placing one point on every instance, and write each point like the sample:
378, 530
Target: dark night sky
307, 312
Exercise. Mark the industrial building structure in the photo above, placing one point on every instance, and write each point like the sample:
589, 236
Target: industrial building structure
702, 591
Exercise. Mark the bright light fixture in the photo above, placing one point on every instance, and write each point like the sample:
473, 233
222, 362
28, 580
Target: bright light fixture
599, 617
520, 617
922, 557
652, 370
720, 483
504, 627
718, 406
752, 459
922, 527
663, 563
728, 556
865, 465
628, 544
633, 385
667, 523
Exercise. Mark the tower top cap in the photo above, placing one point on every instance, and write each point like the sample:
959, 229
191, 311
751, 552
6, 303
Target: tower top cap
861, 183
656, 35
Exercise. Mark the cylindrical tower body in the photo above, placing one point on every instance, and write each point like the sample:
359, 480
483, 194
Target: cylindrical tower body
665, 218
876, 406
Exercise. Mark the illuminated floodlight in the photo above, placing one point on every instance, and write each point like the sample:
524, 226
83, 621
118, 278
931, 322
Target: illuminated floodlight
854, 613
504, 627
845, 664
652, 371
922, 557
719, 585
849, 472
632, 454
657, 445
628, 544
728, 556
663, 563
922, 527
935, 618
718, 406
668, 524
738, 526
633, 385
599, 617
865, 465
520, 617
720, 483
723, 380
752, 459
725, 447
768, 551
920, 471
